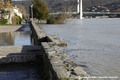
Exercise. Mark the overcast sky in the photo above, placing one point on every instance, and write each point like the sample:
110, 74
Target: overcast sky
19, 0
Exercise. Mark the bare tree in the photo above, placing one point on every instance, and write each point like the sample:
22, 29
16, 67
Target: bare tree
22, 9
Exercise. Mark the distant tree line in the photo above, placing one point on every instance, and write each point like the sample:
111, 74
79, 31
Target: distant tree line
58, 5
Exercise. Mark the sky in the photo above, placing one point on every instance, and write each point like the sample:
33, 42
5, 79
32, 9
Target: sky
19, 0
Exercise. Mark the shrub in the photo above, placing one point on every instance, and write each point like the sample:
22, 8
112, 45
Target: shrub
51, 20
57, 19
16, 20
3, 21
60, 19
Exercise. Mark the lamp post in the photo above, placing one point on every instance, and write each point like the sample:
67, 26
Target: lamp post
32, 12
78, 4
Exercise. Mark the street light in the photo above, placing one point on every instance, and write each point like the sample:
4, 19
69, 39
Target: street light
78, 4
32, 12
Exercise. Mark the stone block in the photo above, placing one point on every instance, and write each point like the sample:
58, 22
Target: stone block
61, 72
79, 71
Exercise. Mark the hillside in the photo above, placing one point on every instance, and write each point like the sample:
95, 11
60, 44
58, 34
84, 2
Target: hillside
70, 5
24, 3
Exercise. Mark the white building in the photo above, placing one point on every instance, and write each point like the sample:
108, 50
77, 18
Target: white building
10, 13
17, 11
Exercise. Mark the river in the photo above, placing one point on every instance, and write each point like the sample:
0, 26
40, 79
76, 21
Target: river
94, 44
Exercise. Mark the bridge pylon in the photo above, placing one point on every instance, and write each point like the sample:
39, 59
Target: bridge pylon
81, 10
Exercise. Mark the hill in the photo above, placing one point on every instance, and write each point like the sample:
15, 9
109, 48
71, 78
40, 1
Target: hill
25, 3
60, 5
70, 5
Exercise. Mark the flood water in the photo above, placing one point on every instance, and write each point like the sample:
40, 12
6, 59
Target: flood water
20, 37
94, 44
15, 71
23, 71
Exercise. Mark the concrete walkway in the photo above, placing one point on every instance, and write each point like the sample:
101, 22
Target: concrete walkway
9, 28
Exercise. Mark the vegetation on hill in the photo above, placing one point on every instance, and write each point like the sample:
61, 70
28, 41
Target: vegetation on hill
70, 5
59, 5
5, 4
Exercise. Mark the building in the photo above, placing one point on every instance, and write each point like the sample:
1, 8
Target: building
7, 13
17, 11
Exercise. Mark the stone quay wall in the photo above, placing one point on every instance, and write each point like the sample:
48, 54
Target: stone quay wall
19, 58
56, 63
19, 54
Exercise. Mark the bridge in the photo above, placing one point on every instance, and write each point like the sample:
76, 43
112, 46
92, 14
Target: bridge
99, 13
91, 14
81, 13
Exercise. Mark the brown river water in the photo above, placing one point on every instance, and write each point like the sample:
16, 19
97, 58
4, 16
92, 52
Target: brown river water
94, 44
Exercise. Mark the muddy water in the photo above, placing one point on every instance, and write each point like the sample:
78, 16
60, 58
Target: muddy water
15, 38
14, 71
24, 71
93, 44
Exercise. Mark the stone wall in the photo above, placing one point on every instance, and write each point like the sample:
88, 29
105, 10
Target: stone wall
38, 35
19, 54
57, 64
19, 58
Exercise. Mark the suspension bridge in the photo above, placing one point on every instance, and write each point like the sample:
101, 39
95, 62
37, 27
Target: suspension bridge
81, 13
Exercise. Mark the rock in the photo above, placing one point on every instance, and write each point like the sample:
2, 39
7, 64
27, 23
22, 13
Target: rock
61, 72
79, 71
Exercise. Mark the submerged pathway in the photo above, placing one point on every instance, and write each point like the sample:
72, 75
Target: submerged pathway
10, 50
9, 28
18, 62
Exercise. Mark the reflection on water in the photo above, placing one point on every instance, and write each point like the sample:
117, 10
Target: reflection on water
15, 38
22, 71
93, 44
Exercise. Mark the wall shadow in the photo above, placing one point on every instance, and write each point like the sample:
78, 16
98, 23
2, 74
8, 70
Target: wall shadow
24, 27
